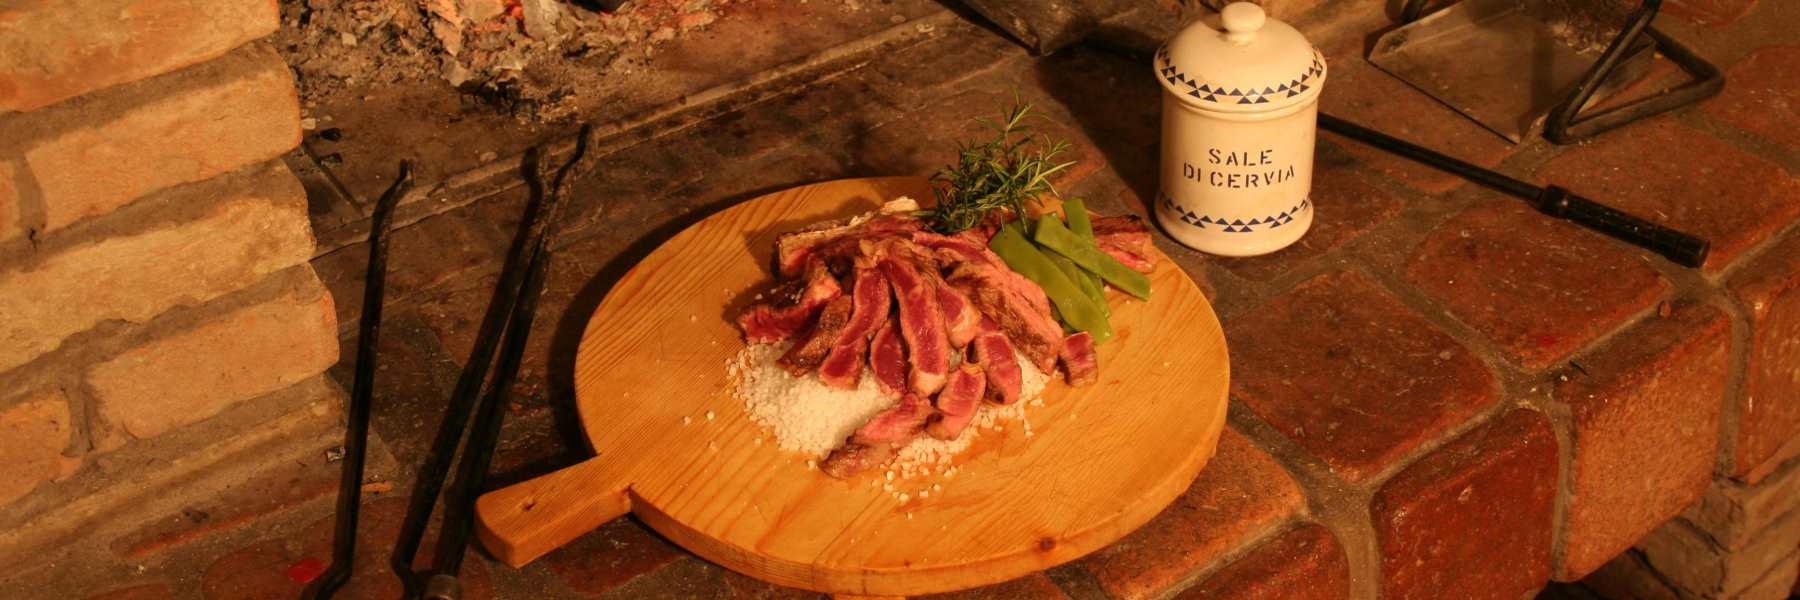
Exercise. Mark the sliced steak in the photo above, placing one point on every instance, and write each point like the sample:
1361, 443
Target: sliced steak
921, 325
791, 310
854, 457
887, 358
956, 405
899, 423
1017, 306
809, 351
1080, 364
1127, 240
880, 439
795, 250
962, 247
994, 353
843, 366
961, 320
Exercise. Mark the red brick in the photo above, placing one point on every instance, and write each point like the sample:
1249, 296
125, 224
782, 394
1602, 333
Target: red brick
1762, 95
1688, 559
50, 51
259, 570
1776, 584
1241, 493
1646, 421
254, 223
1718, 13
914, 143
1035, 586
187, 376
94, 157
1351, 375
1359, 92
1344, 207
1538, 288
1626, 576
149, 591
249, 224
36, 432
1471, 520
9, 202
611, 556
1691, 182
1769, 411
278, 489
1732, 514
1303, 564
745, 587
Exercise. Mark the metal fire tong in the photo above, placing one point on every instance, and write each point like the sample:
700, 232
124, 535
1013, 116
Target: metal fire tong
507, 325
356, 428
1513, 65
506, 328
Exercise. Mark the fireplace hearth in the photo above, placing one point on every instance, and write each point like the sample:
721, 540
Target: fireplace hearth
1435, 393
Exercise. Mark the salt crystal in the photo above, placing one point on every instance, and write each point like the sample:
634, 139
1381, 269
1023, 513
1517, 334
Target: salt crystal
709, 415
805, 415
686, 420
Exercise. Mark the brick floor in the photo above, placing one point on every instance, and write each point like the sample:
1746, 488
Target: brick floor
1769, 411
1240, 494
1536, 287
1690, 181
1362, 93
1646, 423
1472, 520
614, 555
1762, 95
1305, 563
281, 566
1363, 383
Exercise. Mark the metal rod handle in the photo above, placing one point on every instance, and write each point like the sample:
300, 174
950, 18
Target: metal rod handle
1681, 248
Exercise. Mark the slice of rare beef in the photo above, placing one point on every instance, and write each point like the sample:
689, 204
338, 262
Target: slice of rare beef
810, 349
1127, 240
854, 457
957, 403
870, 305
1080, 364
880, 439
1017, 306
792, 309
921, 325
887, 358
796, 249
961, 320
957, 248
994, 353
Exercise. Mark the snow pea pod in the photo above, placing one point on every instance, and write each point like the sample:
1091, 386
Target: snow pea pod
1053, 235
1073, 306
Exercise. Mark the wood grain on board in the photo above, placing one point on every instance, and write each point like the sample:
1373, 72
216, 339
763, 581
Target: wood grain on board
1100, 461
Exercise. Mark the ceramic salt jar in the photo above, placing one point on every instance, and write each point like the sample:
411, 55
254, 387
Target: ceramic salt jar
1240, 112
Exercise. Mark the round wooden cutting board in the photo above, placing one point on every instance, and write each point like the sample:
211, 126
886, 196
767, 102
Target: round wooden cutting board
676, 448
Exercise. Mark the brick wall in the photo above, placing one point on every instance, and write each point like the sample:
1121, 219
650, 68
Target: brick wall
153, 247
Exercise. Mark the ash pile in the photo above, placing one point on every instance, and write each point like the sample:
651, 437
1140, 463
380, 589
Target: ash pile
528, 58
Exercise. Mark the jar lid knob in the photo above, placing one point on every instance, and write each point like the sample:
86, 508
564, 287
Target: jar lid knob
1242, 20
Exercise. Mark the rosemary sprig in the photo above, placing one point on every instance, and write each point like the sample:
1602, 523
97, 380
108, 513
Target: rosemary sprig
1002, 172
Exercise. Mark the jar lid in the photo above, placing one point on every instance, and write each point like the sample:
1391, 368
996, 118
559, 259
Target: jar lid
1255, 64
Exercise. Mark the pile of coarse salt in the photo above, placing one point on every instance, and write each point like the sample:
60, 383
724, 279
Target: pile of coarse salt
812, 418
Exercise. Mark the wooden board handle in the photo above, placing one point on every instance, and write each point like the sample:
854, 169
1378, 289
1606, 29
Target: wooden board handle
526, 520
